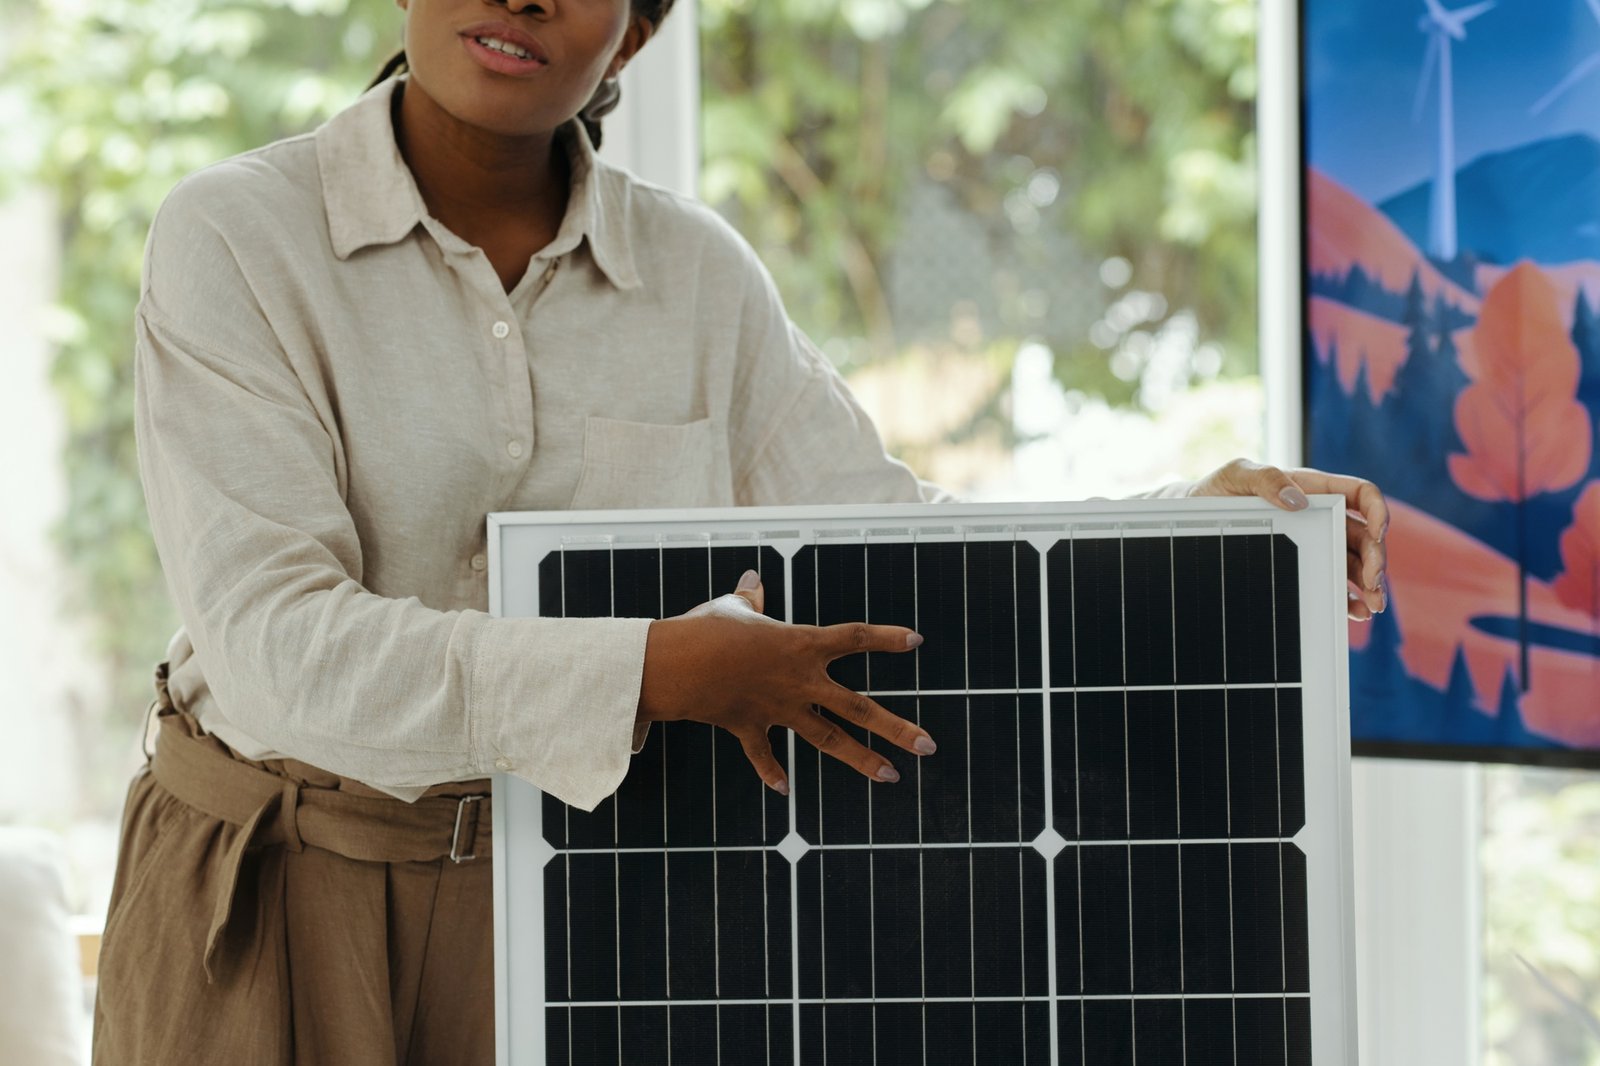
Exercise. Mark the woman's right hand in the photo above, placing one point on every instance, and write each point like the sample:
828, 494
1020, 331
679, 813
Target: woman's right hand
728, 664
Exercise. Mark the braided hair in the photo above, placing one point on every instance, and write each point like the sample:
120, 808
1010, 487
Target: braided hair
605, 98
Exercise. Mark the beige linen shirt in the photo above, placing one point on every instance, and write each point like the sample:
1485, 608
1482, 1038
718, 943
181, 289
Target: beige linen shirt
332, 392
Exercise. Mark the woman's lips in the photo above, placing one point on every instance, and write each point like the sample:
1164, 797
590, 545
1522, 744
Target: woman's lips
503, 62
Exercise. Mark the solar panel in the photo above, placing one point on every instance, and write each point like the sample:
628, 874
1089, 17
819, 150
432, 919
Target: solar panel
1132, 845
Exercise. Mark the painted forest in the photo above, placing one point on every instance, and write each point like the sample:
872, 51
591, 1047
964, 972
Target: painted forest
1468, 391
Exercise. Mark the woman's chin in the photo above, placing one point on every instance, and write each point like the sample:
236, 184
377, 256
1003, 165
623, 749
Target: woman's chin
506, 122
496, 105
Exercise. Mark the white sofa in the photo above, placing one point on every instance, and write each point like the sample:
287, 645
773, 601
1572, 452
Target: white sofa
42, 1020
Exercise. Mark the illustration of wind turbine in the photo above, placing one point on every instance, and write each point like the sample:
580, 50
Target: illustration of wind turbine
1574, 76
1442, 27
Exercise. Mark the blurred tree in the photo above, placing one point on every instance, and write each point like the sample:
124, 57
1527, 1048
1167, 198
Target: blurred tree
108, 105
1578, 584
1128, 125
1522, 429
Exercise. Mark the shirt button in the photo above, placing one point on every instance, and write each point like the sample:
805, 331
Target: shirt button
501, 330
480, 561
504, 764
514, 449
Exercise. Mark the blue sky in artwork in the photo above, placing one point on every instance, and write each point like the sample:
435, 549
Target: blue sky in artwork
1363, 61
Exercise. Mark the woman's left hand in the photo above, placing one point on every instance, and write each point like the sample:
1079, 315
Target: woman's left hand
1366, 517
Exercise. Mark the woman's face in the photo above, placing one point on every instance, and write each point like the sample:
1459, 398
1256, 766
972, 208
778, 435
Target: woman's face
518, 67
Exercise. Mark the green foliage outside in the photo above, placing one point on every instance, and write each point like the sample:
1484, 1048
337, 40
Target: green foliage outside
1541, 946
109, 104
817, 115
820, 115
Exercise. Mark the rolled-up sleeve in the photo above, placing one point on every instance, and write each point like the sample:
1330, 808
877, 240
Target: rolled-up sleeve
242, 473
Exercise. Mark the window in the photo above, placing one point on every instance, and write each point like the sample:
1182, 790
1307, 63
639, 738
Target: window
1541, 928
1025, 232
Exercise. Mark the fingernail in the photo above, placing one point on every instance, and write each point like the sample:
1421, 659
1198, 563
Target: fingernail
913, 640
780, 787
1354, 596
924, 745
1294, 499
748, 580
888, 773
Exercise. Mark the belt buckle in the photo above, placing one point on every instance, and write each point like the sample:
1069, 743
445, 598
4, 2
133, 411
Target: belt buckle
455, 834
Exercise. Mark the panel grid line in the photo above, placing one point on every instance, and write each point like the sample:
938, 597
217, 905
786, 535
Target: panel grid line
766, 900
1227, 776
916, 681
616, 828
1047, 733
966, 678
822, 833
1016, 705
1048, 794
1090, 689
960, 845
792, 807
566, 814
1277, 765
864, 1001
716, 858
1127, 775
1077, 775
666, 868
1177, 785
872, 865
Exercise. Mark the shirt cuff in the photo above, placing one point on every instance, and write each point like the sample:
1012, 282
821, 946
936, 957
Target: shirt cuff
555, 701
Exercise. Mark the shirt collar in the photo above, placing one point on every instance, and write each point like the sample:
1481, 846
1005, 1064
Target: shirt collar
372, 197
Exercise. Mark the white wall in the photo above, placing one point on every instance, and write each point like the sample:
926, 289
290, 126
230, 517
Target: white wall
1418, 920
655, 131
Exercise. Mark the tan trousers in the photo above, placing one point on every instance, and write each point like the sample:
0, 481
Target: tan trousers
265, 914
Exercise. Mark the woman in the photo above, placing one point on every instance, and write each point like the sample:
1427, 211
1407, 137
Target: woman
352, 345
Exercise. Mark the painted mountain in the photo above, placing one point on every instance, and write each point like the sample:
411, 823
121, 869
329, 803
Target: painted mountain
1537, 201
1468, 390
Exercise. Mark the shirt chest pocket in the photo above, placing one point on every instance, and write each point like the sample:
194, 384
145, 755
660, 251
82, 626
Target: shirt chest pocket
634, 465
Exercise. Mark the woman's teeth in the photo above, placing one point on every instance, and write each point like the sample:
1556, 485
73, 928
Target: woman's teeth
502, 46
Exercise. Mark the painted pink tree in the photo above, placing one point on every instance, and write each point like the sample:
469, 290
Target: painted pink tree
1520, 420
1578, 585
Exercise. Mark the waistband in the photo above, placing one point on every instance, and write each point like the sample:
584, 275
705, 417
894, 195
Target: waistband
272, 810
281, 811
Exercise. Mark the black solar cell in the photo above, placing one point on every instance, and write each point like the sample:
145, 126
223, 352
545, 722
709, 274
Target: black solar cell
1096, 866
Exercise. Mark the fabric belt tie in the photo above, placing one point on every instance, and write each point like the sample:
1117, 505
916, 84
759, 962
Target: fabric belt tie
275, 811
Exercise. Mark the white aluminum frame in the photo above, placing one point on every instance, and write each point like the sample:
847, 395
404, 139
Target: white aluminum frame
519, 541
1417, 826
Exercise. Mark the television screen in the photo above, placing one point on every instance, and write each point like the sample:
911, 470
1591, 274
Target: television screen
1451, 313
